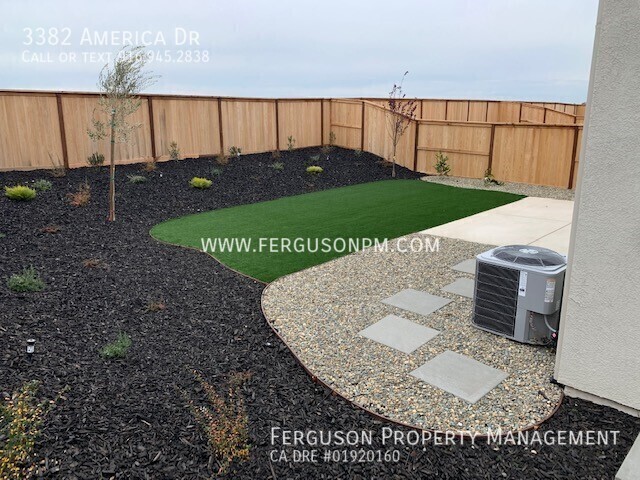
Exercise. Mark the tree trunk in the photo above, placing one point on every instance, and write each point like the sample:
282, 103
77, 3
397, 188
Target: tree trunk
112, 170
393, 168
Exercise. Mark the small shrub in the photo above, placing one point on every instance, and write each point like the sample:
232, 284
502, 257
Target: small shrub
21, 417
80, 197
20, 193
2, 235
155, 306
357, 152
137, 178
489, 179
57, 168
327, 149
216, 172
314, 158
224, 420
442, 164
174, 151
27, 281
42, 185
150, 165
222, 159
95, 159
275, 155
199, 182
51, 229
291, 143
95, 263
277, 166
314, 170
235, 151
118, 348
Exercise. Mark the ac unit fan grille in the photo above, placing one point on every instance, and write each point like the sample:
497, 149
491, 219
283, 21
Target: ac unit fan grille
496, 298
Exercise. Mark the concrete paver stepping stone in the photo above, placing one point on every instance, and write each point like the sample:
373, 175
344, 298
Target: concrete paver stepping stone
462, 286
399, 333
416, 301
460, 375
630, 468
466, 266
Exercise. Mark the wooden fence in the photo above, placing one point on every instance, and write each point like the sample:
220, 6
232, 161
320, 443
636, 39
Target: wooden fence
519, 141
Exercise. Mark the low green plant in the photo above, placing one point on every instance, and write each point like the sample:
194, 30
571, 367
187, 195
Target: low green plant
277, 166
150, 165
27, 281
291, 143
235, 151
174, 151
357, 152
20, 193
95, 159
57, 169
137, 178
222, 160
223, 419
489, 179
216, 172
275, 155
42, 185
314, 158
118, 348
21, 417
3, 235
200, 182
442, 164
314, 170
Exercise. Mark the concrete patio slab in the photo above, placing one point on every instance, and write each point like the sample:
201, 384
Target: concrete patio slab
460, 375
530, 221
416, 301
630, 468
466, 266
399, 333
461, 286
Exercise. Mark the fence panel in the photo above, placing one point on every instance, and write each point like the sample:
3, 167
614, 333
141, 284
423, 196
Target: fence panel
457, 110
556, 117
346, 123
29, 132
478, 111
79, 110
378, 141
434, 109
300, 119
507, 112
532, 113
533, 154
249, 125
192, 123
467, 147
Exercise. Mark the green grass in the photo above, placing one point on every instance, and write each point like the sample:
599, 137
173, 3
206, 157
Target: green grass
118, 348
377, 210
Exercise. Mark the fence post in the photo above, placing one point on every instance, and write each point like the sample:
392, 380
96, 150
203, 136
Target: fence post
277, 127
220, 125
152, 130
63, 133
576, 131
415, 148
362, 129
322, 122
520, 114
493, 134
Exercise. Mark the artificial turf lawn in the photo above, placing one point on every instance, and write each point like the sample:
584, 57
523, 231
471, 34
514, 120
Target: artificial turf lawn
378, 210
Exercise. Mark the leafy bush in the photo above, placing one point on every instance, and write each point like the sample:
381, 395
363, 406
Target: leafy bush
117, 349
137, 178
327, 149
235, 151
442, 164
277, 166
314, 169
21, 417
42, 185
314, 158
275, 155
20, 193
150, 165
95, 159
224, 420
199, 182
216, 172
174, 151
222, 159
57, 168
27, 281
80, 197
291, 143
489, 179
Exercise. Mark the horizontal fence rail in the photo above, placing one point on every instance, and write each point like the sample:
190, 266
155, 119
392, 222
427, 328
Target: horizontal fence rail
536, 143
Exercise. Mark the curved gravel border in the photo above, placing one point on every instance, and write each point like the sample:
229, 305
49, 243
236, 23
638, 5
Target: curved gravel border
519, 188
319, 312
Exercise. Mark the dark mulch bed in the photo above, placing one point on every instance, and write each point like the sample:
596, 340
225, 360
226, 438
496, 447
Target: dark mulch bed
125, 418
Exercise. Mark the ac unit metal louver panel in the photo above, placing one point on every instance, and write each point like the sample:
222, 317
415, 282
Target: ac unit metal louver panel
496, 298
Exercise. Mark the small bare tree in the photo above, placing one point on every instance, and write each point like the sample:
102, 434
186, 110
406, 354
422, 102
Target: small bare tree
120, 85
401, 112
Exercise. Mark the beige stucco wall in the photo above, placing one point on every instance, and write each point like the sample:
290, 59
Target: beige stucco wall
599, 342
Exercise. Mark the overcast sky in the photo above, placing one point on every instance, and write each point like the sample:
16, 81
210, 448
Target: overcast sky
486, 49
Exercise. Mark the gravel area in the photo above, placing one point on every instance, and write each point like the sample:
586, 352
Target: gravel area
320, 311
519, 188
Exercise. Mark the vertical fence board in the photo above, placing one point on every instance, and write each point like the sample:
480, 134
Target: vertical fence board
434, 109
249, 125
301, 120
346, 123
